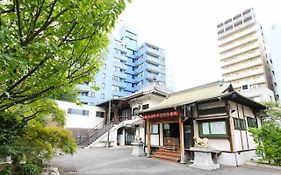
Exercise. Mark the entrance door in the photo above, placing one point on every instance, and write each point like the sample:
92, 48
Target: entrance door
171, 135
130, 136
188, 134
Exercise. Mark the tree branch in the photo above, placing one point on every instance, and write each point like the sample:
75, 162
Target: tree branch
44, 27
24, 77
66, 36
19, 19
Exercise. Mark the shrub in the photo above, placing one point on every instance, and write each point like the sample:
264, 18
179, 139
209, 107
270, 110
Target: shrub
7, 169
30, 168
268, 138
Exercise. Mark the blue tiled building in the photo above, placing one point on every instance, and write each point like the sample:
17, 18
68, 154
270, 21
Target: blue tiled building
128, 68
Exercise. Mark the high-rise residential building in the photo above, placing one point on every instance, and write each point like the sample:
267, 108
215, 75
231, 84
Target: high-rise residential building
244, 59
129, 67
273, 42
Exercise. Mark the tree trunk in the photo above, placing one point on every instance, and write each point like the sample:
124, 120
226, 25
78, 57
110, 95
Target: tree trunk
15, 165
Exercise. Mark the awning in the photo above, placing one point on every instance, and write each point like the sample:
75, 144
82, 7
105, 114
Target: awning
161, 115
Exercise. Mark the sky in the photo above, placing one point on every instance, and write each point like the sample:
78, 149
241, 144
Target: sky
187, 31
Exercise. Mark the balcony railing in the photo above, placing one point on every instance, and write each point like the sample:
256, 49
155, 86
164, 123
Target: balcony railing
242, 66
241, 58
239, 51
238, 43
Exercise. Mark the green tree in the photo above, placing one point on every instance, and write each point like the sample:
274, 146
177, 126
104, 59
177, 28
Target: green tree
268, 136
47, 47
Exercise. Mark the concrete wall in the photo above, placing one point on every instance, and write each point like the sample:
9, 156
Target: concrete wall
80, 121
242, 138
152, 100
235, 159
259, 94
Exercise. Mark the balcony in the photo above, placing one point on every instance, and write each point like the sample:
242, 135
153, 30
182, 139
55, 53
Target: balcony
154, 51
84, 88
152, 68
239, 51
243, 25
153, 60
242, 75
119, 83
139, 69
237, 35
150, 76
120, 74
238, 43
242, 66
121, 65
250, 82
241, 58
137, 79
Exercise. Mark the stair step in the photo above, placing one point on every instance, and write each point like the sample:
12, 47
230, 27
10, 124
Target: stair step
174, 159
170, 151
167, 154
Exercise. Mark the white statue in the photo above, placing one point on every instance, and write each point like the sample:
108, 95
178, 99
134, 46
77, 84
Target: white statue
201, 143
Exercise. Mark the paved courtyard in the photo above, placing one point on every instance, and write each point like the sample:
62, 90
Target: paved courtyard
99, 161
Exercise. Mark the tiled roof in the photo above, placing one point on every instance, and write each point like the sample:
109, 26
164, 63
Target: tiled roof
207, 91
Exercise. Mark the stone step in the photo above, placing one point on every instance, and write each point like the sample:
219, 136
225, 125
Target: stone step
167, 153
168, 150
165, 157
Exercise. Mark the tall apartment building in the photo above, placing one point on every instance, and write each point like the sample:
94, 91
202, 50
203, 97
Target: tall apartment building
243, 56
127, 69
273, 42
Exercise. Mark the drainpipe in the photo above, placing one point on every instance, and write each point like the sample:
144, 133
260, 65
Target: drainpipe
236, 160
108, 123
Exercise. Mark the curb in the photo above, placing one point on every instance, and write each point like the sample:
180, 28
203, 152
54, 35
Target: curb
263, 165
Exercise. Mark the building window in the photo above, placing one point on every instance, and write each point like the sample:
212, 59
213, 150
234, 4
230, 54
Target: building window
91, 94
104, 66
154, 129
100, 114
103, 75
102, 96
239, 124
146, 106
237, 23
103, 85
247, 19
78, 111
252, 122
84, 93
116, 96
212, 128
117, 88
245, 87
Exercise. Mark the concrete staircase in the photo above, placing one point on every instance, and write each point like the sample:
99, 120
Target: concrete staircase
167, 154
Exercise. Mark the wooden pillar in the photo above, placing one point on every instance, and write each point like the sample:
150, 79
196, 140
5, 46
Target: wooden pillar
148, 145
181, 140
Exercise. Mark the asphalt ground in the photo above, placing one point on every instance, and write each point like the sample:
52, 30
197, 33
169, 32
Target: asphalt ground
119, 161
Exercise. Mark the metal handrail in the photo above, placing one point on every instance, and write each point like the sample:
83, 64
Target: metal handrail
98, 131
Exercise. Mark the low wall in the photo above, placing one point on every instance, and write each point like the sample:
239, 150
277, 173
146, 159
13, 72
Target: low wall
235, 159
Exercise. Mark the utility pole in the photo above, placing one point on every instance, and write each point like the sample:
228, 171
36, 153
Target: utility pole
108, 123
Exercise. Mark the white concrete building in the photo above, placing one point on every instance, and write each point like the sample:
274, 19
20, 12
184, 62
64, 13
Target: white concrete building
273, 42
80, 119
244, 59
167, 121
